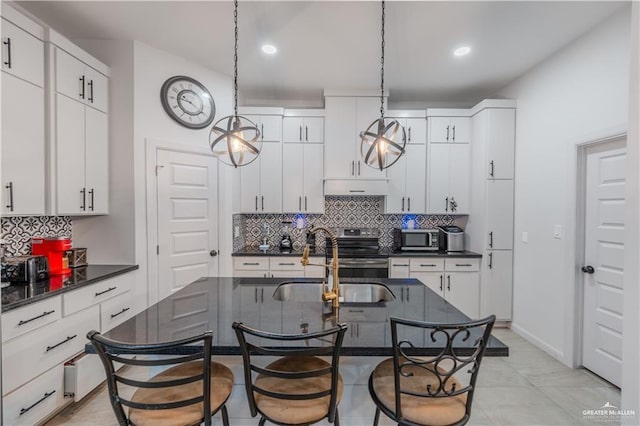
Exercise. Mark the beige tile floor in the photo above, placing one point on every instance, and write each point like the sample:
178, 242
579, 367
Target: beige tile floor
527, 388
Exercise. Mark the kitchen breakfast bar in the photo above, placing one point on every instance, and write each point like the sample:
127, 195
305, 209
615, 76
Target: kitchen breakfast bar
294, 306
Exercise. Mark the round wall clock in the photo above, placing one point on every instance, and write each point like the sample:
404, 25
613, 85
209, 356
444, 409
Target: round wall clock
188, 102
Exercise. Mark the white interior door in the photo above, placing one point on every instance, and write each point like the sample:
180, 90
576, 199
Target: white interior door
187, 219
604, 254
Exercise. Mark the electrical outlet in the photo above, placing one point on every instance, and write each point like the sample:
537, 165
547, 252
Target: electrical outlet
525, 237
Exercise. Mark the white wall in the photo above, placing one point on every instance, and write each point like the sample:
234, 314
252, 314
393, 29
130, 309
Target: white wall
631, 343
151, 68
578, 95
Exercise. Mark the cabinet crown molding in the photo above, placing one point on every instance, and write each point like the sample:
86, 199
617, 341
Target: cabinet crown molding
60, 41
22, 19
251, 110
493, 103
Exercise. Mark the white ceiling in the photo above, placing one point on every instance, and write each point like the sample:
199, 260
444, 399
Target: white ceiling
325, 44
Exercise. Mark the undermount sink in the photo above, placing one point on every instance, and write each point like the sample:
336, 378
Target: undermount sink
349, 292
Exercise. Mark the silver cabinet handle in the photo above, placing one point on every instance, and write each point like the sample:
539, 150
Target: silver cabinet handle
448, 282
262, 131
409, 204
427, 264
262, 294
358, 172
441, 282
299, 203
491, 172
286, 264
447, 132
490, 260
402, 203
120, 313
44, 314
46, 395
250, 263
255, 294
464, 264
356, 190
399, 265
91, 199
49, 348
263, 203
90, 84
401, 294
99, 293
8, 44
305, 203
81, 87
446, 204
491, 239
83, 206
409, 133
408, 295
10, 188
256, 203
454, 133
301, 133
353, 168
306, 133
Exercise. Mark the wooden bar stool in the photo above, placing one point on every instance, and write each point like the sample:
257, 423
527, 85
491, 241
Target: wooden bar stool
298, 388
413, 389
189, 393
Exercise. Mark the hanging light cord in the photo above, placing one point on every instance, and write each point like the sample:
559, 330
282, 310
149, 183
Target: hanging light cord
382, 67
235, 61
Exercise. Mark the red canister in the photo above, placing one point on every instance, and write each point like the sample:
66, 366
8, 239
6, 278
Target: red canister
55, 249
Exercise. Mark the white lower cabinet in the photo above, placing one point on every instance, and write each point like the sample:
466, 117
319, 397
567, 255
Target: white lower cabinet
34, 401
276, 267
20, 321
462, 290
497, 276
115, 311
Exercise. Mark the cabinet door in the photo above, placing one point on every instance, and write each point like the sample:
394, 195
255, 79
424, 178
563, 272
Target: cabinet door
313, 196
433, 280
271, 178
462, 290
499, 214
460, 129
367, 110
70, 78
416, 159
250, 186
340, 137
271, 128
292, 129
501, 143
70, 155
26, 60
313, 131
23, 145
416, 129
396, 201
97, 88
497, 284
459, 177
293, 177
97, 161
250, 304
439, 129
438, 191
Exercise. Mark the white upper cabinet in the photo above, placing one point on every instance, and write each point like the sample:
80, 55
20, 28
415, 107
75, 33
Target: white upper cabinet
500, 143
81, 82
261, 181
22, 54
303, 129
23, 117
302, 178
96, 161
415, 128
313, 201
449, 178
70, 156
346, 117
407, 179
270, 126
449, 129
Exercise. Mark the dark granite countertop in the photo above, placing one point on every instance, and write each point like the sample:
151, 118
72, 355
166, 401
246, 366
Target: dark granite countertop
17, 295
215, 303
384, 252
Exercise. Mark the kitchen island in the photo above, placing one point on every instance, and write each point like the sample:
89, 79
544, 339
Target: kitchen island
215, 303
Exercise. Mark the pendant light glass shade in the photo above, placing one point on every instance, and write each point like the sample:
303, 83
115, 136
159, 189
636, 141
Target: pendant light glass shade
235, 139
382, 144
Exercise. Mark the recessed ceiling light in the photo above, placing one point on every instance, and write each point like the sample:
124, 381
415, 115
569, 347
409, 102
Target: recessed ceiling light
461, 51
269, 49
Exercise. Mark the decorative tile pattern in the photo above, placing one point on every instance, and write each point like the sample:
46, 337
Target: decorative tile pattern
339, 212
18, 231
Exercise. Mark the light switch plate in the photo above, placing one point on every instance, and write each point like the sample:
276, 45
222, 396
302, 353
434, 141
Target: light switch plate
525, 237
557, 231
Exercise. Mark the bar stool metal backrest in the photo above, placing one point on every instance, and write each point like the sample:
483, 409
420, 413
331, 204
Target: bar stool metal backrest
436, 389
178, 383
298, 387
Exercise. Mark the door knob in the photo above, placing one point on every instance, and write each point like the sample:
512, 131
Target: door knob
213, 253
588, 269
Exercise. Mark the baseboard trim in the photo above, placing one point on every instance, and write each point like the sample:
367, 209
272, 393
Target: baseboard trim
539, 343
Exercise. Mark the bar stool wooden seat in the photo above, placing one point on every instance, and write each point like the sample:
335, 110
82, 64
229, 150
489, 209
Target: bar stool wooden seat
413, 389
298, 388
188, 393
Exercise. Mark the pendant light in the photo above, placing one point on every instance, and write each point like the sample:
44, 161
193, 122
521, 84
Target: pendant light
235, 139
382, 144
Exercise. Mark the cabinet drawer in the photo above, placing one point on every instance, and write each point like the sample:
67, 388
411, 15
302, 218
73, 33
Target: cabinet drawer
462, 264
398, 268
36, 400
286, 264
115, 311
92, 294
426, 264
30, 317
29, 355
251, 263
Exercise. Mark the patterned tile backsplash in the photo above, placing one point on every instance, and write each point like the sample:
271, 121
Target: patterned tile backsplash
18, 231
364, 212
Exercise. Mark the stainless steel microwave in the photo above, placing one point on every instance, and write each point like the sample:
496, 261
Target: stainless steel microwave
416, 239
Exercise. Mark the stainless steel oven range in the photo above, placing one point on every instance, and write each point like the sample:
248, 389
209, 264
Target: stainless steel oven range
359, 253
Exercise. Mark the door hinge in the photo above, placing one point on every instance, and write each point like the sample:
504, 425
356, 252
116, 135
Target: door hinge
157, 249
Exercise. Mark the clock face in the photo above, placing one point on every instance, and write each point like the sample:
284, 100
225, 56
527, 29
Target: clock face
188, 102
